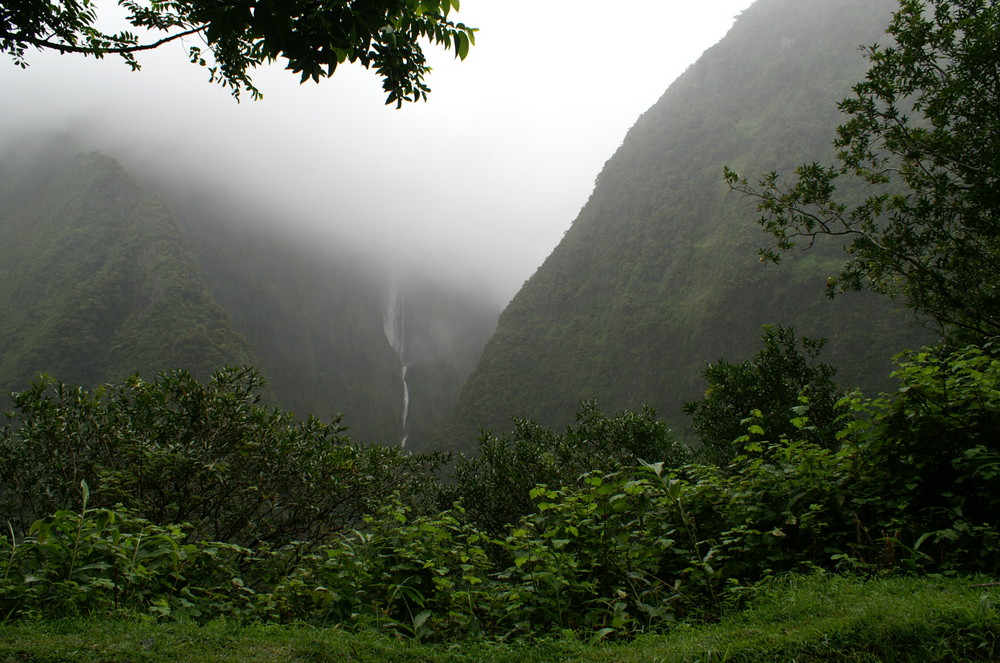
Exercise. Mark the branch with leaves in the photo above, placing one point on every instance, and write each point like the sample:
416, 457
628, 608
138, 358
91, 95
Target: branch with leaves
312, 37
921, 139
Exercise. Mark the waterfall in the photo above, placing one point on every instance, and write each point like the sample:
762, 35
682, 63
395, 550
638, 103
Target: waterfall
393, 323
406, 409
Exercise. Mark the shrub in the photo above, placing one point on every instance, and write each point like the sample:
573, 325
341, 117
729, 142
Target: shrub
178, 450
782, 382
109, 561
592, 557
494, 485
930, 459
421, 576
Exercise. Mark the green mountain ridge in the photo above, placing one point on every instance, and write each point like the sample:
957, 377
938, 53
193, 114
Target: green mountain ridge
102, 277
659, 272
97, 282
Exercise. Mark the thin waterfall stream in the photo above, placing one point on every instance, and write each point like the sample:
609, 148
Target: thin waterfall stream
393, 323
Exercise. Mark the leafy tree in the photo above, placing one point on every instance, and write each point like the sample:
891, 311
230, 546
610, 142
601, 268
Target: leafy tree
922, 138
931, 457
235, 37
792, 394
494, 486
178, 450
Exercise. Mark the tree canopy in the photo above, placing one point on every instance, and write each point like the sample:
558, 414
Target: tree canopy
232, 37
922, 138
784, 390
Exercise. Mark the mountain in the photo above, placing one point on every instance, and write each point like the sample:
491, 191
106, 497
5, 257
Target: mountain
318, 317
659, 272
444, 338
96, 281
103, 275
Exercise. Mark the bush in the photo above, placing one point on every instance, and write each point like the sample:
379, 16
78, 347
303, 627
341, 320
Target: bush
783, 382
593, 557
633, 550
421, 576
102, 561
930, 460
178, 450
494, 485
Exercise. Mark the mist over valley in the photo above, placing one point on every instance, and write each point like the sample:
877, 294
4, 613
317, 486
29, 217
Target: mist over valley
644, 331
361, 257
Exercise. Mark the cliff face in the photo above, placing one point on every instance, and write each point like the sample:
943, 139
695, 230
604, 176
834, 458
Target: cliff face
97, 281
659, 272
100, 277
317, 318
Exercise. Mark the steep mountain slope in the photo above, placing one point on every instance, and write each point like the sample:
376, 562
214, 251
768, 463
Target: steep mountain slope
96, 281
100, 278
658, 274
316, 316
445, 331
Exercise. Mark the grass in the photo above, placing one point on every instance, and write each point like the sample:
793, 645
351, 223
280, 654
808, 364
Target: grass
810, 619
830, 618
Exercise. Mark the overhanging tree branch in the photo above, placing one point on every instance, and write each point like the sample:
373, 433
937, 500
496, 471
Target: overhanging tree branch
312, 38
98, 50
928, 230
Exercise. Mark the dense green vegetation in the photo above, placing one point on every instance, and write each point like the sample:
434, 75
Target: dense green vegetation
810, 522
783, 378
181, 500
659, 272
208, 454
494, 485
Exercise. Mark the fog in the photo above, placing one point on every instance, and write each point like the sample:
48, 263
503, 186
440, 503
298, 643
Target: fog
480, 182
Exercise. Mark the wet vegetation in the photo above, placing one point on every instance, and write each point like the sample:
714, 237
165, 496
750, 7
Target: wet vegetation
181, 501
185, 516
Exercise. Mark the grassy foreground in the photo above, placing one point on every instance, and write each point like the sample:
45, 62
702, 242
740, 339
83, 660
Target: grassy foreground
819, 618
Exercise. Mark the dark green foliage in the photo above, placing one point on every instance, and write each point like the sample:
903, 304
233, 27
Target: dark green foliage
782, 385
910, 486
595, 557
100, 561
658, 274
177, 450
920, 140
494, 485
386, 35
634, 550
932, 458
421, 576
606, 554
627, 550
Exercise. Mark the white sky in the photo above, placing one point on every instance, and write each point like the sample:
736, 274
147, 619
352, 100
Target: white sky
486, 176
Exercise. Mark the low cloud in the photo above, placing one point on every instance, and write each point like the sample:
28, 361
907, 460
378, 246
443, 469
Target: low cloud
481, 181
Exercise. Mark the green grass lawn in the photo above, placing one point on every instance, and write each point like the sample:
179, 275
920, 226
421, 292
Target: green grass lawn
818, 618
